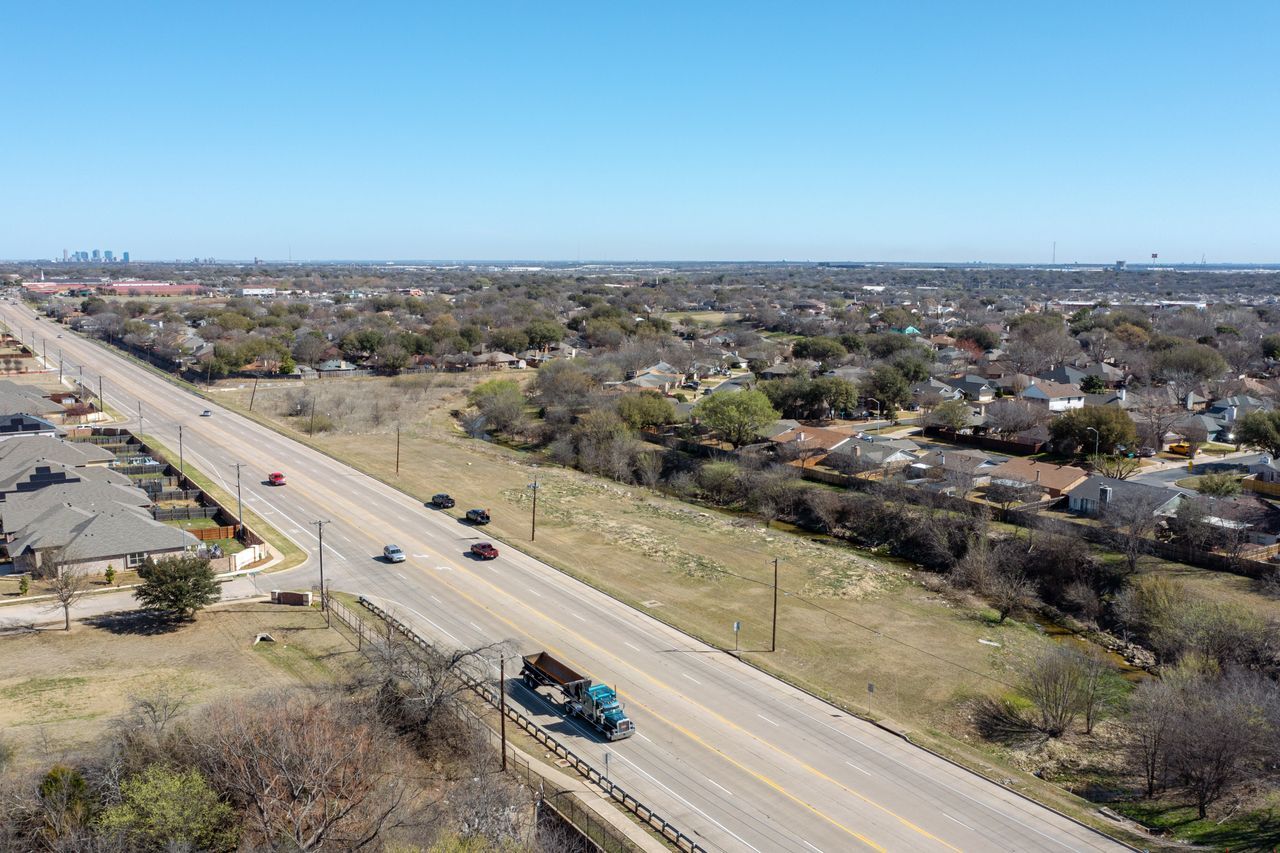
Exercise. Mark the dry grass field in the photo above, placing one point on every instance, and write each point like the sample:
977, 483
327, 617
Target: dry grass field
59, 689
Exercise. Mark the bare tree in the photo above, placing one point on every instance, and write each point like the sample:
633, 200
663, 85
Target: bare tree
66, 586
307, 772
1099, 687
1131, 522
1054, 683
1010, 417
1115, 466
1009, 592
1217, 737
1151, 713
1155, 415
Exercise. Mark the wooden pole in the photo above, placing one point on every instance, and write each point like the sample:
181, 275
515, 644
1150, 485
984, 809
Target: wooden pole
773, 639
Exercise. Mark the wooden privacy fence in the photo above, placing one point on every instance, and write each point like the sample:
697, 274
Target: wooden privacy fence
204, 534
184, 513
614, 791
1261, 486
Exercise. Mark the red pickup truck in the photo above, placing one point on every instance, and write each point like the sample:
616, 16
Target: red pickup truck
484, 551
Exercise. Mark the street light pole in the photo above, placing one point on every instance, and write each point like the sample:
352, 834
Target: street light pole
141, 423
773, 638
397, 449
877, 402
1096, 438
324, 604
181, 467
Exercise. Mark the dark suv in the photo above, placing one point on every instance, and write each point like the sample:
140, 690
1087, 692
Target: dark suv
442, 501
478, 516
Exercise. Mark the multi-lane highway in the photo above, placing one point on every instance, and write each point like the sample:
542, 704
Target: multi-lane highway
738, 760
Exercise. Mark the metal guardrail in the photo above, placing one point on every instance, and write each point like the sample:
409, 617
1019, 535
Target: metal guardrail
584, 768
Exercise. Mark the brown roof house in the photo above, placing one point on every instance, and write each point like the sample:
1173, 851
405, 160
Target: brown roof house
1054, 480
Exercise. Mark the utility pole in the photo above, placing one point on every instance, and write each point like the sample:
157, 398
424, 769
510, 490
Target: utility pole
59, 365
239, 502
773, 637
141, 422
102, 403
312, 430
181, 467
533, 524
397, 449
254, 393
324, 604
502, 705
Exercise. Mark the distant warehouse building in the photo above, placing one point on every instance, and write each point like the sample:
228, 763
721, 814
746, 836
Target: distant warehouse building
256, 291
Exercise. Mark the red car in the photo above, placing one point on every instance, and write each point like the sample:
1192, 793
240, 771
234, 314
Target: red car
276, 478
484, 550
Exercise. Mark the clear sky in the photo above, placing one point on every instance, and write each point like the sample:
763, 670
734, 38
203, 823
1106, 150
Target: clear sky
609, 130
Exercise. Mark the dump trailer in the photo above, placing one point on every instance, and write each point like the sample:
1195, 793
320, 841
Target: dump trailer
596, 703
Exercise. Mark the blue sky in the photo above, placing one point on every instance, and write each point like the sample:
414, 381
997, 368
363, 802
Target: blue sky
691, 130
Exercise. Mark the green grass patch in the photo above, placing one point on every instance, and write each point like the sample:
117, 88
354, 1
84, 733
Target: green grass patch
1255, 830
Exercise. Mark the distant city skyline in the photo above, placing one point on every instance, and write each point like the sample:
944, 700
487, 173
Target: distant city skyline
819, 132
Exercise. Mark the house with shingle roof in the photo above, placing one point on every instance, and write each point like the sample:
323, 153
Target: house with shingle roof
85, 541
1055, 480
1058, 396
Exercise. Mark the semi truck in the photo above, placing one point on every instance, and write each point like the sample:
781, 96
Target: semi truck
596, 703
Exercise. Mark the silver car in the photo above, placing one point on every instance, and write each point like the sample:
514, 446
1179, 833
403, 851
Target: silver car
393, 554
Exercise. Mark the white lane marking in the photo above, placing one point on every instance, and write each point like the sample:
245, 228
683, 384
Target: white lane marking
439, 568
642, 737
436, 600
1000, 815
691, 678
578, 616
628, 645
419, 615
766, 719
624, 759
402, 577
856, 767
810, 846
718, 785
965, 825
534, 591
477, 627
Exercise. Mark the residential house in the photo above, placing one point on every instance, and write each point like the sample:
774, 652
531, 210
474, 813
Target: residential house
1231, 409
1071, 375
808, 445
1256, 520
45, 448
86, 541
935, 389
334, 367
883, 455
32, 476
1058, 396
967, 468
974, 388
1097, 493
25, 426
499, 361
1266, 469
1054, 480
15, 515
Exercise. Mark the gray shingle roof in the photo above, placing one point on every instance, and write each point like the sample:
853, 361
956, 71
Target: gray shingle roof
85, 535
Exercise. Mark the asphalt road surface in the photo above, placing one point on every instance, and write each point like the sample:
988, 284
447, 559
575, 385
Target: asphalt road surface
736, 759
